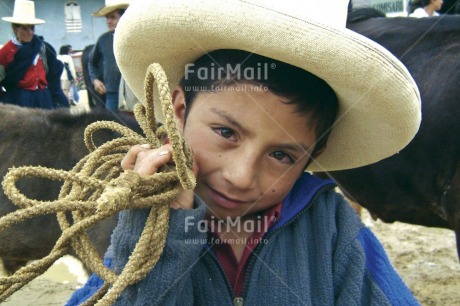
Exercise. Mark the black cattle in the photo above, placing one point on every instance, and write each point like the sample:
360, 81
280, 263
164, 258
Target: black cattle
421, 184
52, 139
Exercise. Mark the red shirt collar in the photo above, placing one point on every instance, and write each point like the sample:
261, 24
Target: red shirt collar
235, 270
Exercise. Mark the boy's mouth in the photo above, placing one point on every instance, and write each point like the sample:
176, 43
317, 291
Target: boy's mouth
225, 201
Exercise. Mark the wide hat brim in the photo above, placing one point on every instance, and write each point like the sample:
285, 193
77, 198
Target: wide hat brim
379, 102
23, 20
110, 8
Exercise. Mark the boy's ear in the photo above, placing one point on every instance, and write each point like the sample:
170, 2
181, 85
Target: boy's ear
178, 99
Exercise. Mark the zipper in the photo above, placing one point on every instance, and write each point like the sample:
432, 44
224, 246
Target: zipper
238, 301
268, 235
227, 281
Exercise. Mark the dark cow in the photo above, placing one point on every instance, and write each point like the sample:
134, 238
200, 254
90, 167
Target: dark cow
52, 139
421, 184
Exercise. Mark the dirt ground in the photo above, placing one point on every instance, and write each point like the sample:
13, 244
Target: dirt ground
425, 258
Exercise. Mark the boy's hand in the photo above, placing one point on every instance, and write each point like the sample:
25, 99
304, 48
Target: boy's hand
146, 161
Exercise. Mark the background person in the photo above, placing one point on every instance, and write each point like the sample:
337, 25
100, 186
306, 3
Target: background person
428, 9
29, 69
103, 70
127, 98
69, 75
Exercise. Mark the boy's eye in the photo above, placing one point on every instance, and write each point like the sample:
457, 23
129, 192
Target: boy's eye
281, 156
224, 132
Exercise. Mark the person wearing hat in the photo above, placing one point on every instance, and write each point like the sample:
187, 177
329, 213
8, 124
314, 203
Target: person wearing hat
29, 70
263, 93
103, 70
428, 9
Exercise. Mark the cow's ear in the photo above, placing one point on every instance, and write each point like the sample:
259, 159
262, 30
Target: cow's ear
178, 99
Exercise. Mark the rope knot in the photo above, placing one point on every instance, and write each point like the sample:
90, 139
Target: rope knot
129, 179
113, 199
118, 193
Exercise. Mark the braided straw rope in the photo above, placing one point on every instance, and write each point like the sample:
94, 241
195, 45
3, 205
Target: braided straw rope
97, 188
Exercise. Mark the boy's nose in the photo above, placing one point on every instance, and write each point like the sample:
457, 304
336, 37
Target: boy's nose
241, 172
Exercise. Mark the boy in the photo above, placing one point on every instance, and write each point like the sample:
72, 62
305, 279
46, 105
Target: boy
262, 92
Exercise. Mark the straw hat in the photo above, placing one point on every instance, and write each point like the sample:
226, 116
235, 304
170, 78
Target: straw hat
110, 6
379, 102
24, 13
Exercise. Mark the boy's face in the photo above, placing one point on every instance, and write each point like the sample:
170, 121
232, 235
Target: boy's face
249, 148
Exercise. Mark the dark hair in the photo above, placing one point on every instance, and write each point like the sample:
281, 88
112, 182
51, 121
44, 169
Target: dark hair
65, 49
425, 2
18, 25
309, 93
120, 12
415, 4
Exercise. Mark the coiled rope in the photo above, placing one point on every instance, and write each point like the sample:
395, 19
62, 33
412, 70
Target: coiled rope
97, 188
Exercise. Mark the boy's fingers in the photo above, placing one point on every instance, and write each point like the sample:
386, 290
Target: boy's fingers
130, 158
149, 161
144, 160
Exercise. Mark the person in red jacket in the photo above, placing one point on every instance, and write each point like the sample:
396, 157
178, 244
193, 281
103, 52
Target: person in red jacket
29, 70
